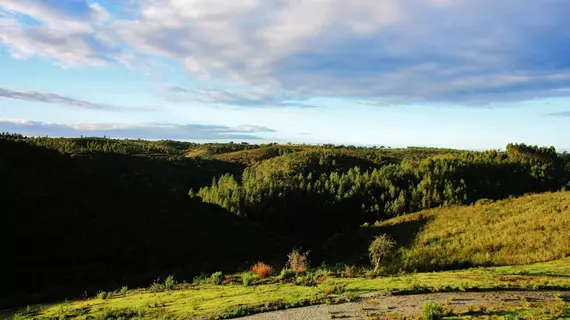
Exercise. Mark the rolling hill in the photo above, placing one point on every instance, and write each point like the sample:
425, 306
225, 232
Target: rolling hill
532, 228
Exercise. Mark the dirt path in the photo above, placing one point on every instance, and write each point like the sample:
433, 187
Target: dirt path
377, 304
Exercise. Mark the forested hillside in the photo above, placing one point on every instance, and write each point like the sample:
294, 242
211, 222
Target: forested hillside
85, 214
320, 193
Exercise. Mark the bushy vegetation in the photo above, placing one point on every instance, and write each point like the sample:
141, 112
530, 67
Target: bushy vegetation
298, 262
262, 270
247, 279
169, 283
380, 247
315, 199
91, 214
217, 278
433, 311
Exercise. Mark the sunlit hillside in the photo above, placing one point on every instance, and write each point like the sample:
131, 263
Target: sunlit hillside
523, 230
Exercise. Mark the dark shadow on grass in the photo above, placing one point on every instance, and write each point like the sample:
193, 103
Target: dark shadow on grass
82, 223
351, 247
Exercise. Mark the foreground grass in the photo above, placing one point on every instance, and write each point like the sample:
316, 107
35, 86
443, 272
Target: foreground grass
221, 301
547, 275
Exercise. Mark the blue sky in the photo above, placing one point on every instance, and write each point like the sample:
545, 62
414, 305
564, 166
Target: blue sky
446, 73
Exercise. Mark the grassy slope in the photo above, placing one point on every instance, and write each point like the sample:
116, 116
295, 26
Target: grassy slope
251, 157
207, 299
529, 229
354, 157
320, 161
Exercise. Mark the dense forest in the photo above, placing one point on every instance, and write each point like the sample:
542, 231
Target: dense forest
83, 214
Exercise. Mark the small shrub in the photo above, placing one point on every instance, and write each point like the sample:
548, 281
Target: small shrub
124, 290
157, 286
247, 279
262, 270
333, 289
286, 274
298, 262
483, 201
349, 271
305, 280
380, 247
169, 283
103, 295
217, 278
432, 311
351, 296
321, 275
201, 278
228, 279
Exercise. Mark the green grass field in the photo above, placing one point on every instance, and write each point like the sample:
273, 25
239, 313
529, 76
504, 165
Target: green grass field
208, 300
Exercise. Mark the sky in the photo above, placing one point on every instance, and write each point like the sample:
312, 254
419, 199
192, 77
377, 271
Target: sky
468, 74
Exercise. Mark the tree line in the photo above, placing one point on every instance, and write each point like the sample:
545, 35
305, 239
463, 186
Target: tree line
296, 200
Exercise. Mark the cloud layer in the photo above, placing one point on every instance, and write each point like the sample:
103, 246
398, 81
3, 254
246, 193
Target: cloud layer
142, 131
384, 52
560, 114
253, 98
48, 97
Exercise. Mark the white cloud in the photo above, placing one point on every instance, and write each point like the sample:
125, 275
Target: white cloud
99, 13
53, 98
450, 51
253, 97
70, 40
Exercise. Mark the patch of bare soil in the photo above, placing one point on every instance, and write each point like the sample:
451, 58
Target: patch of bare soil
379, 304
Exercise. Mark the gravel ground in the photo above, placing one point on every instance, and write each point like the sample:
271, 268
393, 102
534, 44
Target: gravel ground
379, 304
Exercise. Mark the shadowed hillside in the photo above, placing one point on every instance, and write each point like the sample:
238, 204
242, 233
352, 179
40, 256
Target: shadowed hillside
90, 220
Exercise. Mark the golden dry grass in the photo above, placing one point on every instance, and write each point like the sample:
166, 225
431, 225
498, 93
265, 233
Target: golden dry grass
529, 229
